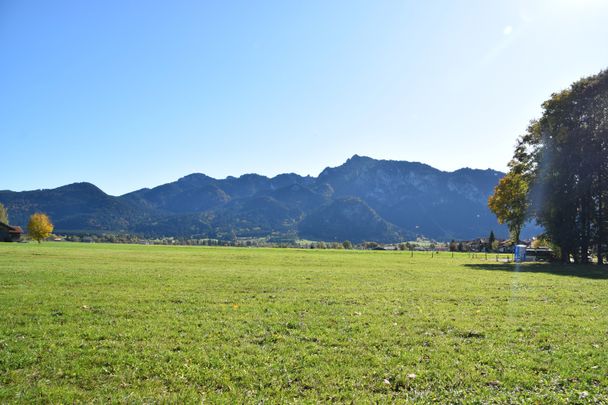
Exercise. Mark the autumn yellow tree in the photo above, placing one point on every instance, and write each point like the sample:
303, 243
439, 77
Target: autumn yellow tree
510, 204
39, 227
3, 214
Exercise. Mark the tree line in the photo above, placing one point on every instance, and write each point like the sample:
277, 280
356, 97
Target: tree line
558, 175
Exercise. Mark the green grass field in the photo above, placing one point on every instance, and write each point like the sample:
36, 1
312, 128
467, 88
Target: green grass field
125, 323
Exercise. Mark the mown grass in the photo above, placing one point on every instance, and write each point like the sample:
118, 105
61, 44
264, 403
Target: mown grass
122, 323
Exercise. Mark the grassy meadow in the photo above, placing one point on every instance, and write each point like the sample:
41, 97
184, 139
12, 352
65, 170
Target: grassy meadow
129, 323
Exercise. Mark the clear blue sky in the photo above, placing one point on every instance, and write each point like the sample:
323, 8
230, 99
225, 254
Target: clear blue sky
131, 94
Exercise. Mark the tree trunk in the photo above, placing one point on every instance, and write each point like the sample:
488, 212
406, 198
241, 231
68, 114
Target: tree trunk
516, 232
600, 219
565, 255
585, 227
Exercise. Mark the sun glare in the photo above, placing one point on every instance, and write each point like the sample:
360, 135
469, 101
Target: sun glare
577, 5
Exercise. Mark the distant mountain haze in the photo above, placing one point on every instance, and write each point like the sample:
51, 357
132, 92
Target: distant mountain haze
363, 199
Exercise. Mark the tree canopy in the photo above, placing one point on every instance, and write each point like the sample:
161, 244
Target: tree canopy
39, 227
509, 203
559, 167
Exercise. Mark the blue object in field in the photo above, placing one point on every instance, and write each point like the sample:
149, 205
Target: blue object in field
520, 253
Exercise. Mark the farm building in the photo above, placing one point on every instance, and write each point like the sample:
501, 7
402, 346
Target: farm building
10, 233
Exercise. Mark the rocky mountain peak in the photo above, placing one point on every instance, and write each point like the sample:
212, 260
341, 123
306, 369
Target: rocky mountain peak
364, 198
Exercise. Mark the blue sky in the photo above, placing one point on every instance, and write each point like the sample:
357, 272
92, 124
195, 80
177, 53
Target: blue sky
131, 94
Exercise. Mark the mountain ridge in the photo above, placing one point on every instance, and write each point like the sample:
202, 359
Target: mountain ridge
381, 200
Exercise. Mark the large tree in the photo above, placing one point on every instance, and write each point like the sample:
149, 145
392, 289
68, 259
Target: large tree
509, 203
563, 160
39, 227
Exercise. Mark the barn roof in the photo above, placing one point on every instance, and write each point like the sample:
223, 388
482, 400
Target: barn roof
10, 229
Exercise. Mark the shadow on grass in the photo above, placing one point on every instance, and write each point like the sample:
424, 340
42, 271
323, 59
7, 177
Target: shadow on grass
573, 270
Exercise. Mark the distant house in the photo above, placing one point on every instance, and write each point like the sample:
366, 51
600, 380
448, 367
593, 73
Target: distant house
505, 246
10, 233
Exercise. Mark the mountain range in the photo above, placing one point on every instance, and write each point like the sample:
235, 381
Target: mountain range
363, 199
